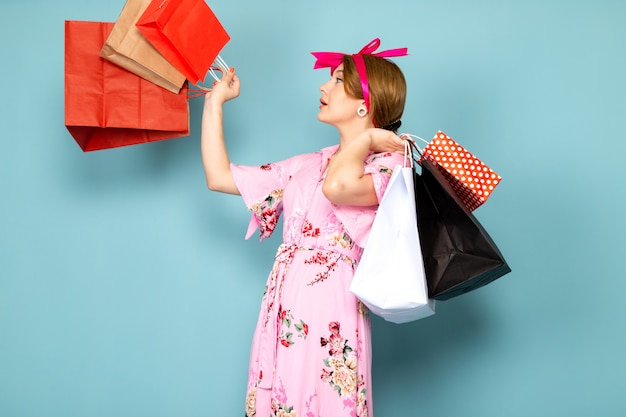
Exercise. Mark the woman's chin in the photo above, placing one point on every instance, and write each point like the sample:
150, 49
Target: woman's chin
322, 117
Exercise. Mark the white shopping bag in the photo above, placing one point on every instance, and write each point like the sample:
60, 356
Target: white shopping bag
390, 278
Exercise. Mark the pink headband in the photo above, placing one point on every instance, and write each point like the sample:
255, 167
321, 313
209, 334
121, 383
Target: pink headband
333, 59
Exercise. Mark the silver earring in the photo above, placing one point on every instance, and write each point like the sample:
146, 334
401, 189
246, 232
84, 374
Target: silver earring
361, 111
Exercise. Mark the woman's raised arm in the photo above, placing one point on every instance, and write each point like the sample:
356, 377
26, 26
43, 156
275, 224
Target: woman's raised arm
346, 181
214, 155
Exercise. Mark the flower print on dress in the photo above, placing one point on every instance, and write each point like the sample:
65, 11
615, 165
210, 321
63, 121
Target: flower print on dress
251, 403
335, 232
267, 212
332, 225
302, 328
340, 365
361, 403
340, 371
279, 401
380, 181
341, 239
308, 405
323, 258
286, 321
309, 230
281, 410
362, 309
377, 156
293, 225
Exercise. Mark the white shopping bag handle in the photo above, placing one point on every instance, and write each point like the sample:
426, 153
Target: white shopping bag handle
408, 151
411, 138
221, 67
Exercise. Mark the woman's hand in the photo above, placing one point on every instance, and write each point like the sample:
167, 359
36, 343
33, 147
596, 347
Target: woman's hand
226, 89
381, 140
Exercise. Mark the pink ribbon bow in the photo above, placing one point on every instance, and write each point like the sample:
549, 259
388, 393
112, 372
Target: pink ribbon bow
333, 59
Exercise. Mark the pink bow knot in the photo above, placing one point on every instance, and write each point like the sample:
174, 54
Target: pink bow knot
333, 59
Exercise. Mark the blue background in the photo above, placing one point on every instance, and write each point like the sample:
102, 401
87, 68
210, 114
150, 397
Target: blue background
127, 289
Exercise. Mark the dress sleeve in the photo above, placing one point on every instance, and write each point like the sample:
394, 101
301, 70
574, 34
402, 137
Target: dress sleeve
358, 220
262, 190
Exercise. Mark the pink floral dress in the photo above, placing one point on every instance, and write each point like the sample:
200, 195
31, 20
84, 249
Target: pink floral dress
311, 350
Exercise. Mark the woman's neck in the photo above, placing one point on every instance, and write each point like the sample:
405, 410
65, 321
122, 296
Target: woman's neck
348, 133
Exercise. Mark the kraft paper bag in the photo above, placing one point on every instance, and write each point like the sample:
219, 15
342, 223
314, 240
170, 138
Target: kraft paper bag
129, 49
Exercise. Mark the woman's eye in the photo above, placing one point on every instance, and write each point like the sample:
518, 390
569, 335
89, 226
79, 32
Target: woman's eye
339, 80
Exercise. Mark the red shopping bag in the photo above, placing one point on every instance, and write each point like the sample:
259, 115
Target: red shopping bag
472, 180
186, 32
107, 106
128, 48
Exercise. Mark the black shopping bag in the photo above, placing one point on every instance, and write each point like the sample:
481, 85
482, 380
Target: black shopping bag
459, 255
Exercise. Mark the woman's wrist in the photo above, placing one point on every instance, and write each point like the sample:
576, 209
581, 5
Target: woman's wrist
213, 104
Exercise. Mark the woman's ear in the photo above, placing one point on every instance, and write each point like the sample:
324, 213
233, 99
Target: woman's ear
362, 111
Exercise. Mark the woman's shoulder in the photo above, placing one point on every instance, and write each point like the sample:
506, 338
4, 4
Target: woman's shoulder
304, 158
296, 159
298, 164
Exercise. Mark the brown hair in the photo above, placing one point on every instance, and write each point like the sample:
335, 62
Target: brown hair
387, 88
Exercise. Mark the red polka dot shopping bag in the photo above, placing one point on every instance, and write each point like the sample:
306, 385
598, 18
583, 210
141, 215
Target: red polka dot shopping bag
472, 180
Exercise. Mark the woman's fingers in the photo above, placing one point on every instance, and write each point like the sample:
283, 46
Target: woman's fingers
385, 141
227, 88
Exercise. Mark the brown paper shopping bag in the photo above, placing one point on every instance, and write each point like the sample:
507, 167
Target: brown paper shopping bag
128, 48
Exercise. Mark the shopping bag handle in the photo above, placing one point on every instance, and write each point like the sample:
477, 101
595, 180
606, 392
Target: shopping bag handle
415, 148
220, 66
409, 146
412, 138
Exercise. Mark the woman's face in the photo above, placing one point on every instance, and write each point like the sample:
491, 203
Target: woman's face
336, 106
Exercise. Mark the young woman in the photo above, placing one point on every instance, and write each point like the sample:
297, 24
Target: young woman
311, 351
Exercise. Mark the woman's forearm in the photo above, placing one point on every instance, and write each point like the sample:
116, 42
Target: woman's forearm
346, 182
213, 148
